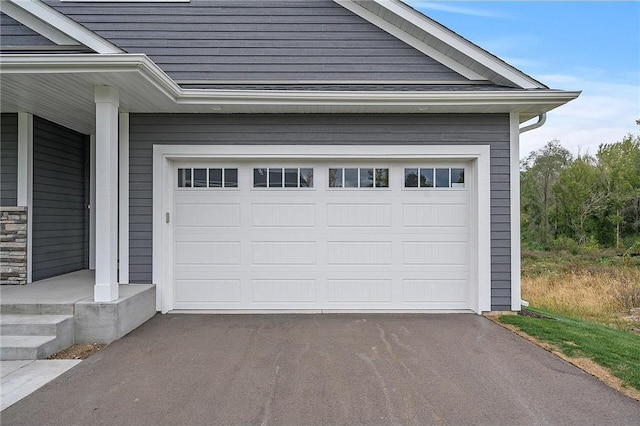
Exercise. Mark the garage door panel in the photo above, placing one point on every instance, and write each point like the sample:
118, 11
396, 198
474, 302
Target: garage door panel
283, 215
359, 253
208, 253
359, 290
435, 215
283, 290
359, 215
434, 290
445, 273
217, 290
198, 234
208, 215
195, 272
435, 253
436, 306
283, 252
436, 237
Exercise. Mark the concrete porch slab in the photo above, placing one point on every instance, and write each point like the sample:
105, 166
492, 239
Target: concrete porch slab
104, 322
52, 296
72, 294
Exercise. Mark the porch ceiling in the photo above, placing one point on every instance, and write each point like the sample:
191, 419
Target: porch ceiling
60, 88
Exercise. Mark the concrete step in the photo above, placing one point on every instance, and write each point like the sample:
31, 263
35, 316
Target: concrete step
35, 325
36, 308
27, 347
34, 336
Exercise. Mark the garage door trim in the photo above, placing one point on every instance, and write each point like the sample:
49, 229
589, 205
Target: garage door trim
165, 155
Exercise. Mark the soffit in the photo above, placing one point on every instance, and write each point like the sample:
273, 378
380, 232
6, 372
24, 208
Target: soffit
68, 99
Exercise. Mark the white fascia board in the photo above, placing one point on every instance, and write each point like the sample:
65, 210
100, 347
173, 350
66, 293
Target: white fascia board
41, 17
140, 63
43, 28
439, 32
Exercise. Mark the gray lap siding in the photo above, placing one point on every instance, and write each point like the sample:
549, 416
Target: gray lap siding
14, 34
60, 234
8, 160
200, 129
257, 40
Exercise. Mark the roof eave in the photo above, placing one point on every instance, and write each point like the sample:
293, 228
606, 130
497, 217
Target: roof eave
39, 83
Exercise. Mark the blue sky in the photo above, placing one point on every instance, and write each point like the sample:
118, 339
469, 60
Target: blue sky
593, 46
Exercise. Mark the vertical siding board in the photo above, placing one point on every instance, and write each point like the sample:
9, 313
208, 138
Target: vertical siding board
8, 159
200, 129
60, 233
266, 40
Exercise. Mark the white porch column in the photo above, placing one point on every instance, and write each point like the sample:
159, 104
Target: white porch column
107, 102
25, 178
123, 190
92, 202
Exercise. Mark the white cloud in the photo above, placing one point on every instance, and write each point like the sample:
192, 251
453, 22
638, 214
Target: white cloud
604, 113
448, 7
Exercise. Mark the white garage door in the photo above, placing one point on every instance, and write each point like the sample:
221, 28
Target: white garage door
321, 236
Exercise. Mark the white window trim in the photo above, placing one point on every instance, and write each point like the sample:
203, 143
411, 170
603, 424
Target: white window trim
163, 188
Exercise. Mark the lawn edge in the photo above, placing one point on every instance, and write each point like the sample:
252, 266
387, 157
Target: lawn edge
585, 364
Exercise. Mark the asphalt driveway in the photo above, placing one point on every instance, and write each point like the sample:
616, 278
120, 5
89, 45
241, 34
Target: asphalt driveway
323, 369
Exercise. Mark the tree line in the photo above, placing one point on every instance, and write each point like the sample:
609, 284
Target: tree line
582, 200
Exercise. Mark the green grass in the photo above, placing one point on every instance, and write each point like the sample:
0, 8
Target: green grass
538, 262
616, 350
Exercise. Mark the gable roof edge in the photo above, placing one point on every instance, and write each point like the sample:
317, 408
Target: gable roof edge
410, 39
427, 35
55, 26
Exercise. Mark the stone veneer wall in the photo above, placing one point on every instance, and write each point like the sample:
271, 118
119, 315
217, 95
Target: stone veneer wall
13, 245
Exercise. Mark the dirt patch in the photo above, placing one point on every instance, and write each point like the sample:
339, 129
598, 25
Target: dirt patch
526, 313
585, 364
83, 351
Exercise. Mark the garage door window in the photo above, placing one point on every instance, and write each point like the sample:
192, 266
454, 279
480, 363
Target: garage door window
430, 177
281, 177
207, 178
362, 177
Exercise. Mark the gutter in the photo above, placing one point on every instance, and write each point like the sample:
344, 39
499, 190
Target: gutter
542, 118
145, 67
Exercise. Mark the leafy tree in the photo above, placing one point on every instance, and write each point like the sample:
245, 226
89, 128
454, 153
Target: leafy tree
581, 195
586, 200
539, 173
620, 163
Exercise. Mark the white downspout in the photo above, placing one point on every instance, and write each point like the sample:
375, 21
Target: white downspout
542, 118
